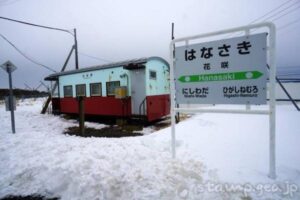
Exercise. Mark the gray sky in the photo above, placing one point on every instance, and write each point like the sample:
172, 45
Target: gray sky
116, 30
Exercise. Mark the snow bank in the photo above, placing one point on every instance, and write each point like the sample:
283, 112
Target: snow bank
212, 149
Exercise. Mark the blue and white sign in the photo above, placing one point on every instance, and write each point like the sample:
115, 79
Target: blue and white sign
229, 71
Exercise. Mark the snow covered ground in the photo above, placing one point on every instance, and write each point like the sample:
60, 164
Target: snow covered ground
219, 156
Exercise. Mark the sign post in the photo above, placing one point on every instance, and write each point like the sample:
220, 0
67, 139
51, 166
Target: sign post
227, 71
9, 67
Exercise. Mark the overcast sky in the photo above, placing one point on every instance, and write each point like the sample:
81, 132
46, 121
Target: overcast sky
116, 30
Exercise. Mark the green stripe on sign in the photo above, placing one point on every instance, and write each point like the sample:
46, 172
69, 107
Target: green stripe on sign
231, 76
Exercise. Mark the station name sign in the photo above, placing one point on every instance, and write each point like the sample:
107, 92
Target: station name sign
229, 71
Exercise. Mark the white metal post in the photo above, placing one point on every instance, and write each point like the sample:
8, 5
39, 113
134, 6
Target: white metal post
272, 103
172, 99
248, 106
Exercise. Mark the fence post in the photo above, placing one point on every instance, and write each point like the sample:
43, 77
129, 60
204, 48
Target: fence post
81, 115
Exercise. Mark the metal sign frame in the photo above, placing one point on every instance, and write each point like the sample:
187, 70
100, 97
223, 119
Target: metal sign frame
271, 111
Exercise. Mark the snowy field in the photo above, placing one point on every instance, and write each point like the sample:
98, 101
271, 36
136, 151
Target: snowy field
219, 156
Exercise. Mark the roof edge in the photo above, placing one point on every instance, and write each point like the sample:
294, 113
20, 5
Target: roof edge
54, 77
159, 58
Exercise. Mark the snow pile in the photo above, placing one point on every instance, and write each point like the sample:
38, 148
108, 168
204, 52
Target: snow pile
212, 150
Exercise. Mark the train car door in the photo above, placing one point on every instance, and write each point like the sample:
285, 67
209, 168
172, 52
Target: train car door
138, 91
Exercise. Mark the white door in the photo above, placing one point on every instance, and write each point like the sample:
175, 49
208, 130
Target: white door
138, 90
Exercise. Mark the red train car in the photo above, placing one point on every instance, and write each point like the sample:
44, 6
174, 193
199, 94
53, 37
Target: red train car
133, 88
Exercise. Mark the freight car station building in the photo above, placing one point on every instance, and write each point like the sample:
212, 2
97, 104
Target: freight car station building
133, 88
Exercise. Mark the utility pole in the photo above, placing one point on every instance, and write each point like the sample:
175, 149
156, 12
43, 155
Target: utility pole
74, 34
76, 49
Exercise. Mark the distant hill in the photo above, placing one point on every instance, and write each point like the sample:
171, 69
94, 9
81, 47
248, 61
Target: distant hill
21, 93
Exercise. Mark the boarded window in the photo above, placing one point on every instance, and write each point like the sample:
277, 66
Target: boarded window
153, 75
96, 89
68, 91
80, 90
111, 86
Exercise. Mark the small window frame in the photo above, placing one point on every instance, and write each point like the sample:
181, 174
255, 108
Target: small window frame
76, 88
65, 89
95, 95
107, 91
152, 75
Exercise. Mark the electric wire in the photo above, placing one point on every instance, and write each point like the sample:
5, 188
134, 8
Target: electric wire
94, 57
289, 12
36, 25
8, 3
274, 15
53, 28
271, 11
288, 24
23, 54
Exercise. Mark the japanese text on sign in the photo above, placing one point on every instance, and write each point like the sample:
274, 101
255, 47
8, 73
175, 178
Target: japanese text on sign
229, 71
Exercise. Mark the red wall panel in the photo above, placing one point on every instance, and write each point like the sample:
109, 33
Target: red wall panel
158, 106
98, 106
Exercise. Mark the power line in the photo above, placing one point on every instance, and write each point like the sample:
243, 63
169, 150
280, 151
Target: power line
286, 13
52, 28
276, 13
23, 54
270, 17
47, 27
36, 25
8, 3
288, 24
271, 11
93, 57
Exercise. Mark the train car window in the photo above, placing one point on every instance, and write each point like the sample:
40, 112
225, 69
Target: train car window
153, 75
68, 91
96, 89
111, 86
80, 90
